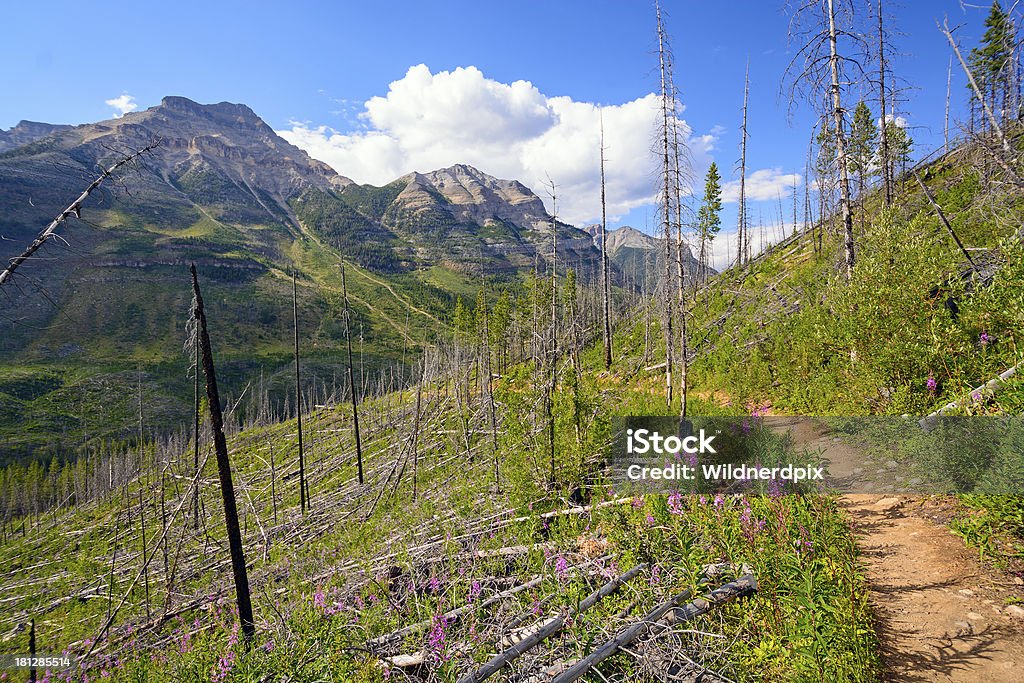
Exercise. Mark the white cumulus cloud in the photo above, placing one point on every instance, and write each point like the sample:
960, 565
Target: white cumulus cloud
122, 105
431, 120
765, 184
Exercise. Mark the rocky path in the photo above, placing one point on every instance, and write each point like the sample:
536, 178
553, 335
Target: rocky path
941, 614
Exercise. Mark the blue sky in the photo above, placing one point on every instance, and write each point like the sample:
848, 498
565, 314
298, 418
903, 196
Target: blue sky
310, 68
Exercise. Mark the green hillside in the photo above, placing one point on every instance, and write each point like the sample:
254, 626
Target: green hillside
373, 558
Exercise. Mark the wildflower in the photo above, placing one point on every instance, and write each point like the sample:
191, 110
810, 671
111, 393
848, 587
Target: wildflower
976, 396
435, 584
474, 590
719, 501
436, 639
650, 519
931, 383
224, 666
675, 503
983, 338
561, 567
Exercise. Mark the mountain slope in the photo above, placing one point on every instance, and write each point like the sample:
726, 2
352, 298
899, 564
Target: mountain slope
221, 189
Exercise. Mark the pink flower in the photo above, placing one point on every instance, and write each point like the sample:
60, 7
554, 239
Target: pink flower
675, 503
561, 567
436, 639
931, 384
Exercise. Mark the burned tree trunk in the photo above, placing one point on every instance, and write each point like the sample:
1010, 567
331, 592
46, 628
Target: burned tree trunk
351, 378
224, 470
605, 288
195, 442
303, 499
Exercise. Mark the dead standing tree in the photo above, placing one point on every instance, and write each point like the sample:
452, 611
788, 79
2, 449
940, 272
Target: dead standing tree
552, 360
666, 200
742, 240
303, 491
820, 67
883, 142
223, 467
605, 293
351, 377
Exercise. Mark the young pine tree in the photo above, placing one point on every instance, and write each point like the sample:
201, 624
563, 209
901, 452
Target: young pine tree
863, 143
991, 63
709, 220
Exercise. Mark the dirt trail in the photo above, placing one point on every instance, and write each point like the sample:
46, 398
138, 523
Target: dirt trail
941, 614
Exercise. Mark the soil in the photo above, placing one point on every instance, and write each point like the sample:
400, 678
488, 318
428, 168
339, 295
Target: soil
941, 613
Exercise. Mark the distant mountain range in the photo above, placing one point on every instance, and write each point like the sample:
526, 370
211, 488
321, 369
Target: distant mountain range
639, 257
223, 190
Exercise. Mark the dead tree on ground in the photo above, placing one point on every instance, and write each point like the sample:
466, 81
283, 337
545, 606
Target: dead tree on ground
73, 209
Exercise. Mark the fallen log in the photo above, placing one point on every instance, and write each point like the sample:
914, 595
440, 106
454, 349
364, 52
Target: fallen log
984, 390
549, 628
396, 636
679, 613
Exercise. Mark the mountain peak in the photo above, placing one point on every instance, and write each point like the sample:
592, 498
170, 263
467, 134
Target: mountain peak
26, 132
184, 105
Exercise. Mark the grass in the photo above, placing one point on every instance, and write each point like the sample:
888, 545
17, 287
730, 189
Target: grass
358, 573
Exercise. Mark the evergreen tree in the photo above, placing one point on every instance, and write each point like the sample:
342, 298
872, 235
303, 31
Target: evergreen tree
709, 220
900, 146
991, 64
825, 168
863, 143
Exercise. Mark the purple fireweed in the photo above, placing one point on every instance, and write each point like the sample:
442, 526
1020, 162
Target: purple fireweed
675, 503
931, 383
983, 338
655, 575
561, 567
436, 639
